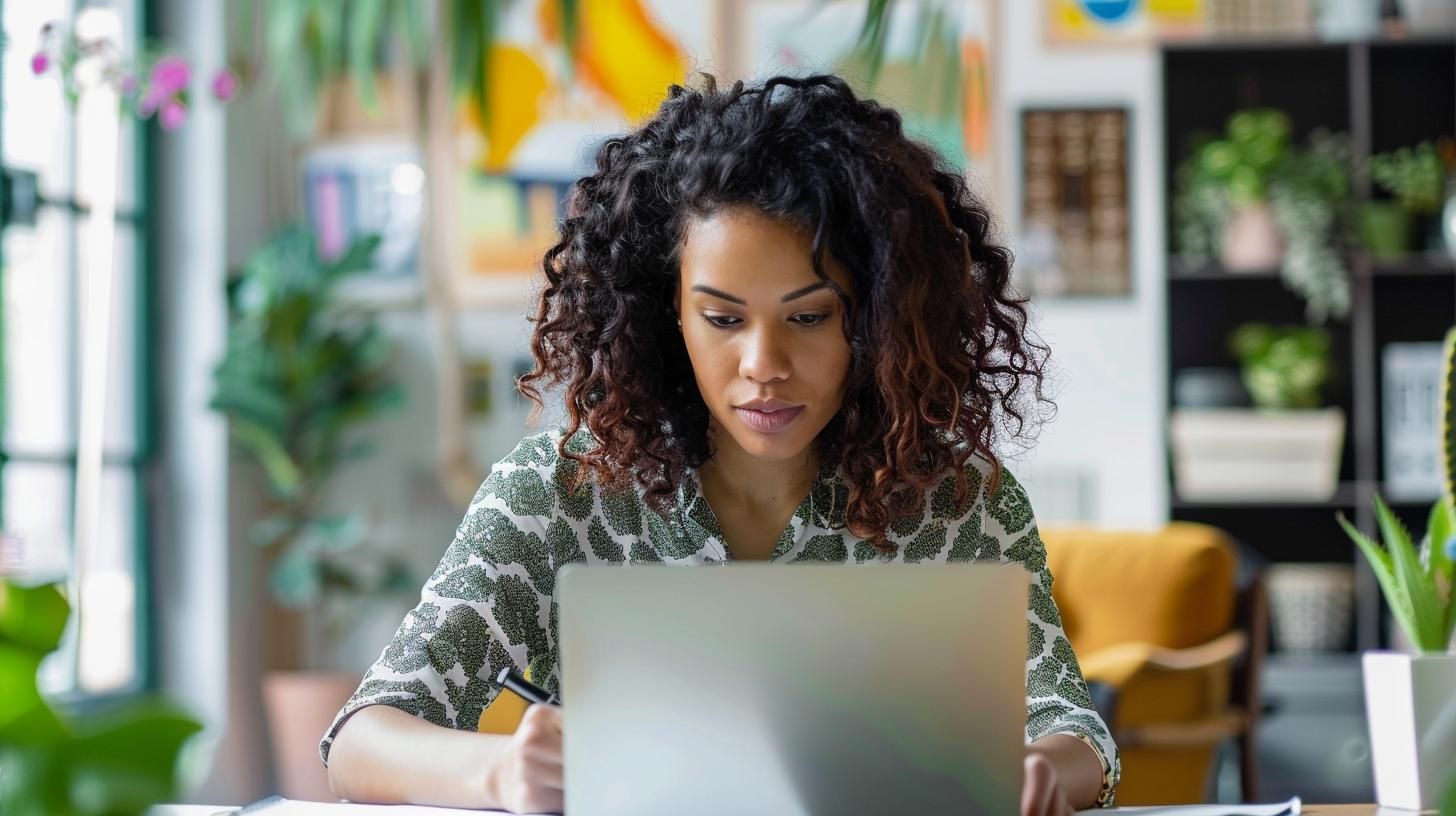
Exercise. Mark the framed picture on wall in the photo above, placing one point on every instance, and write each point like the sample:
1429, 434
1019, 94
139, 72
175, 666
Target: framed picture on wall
1075, 213
1124, 22
546, 120
938, 69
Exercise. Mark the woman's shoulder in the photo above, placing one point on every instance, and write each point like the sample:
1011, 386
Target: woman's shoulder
961, 492
542, 451
990, 490
534, 475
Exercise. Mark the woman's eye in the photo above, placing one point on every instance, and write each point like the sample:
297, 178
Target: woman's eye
722, 321
810, 319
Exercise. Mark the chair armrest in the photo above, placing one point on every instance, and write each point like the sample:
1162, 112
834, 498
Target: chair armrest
1184, 734
1116, 665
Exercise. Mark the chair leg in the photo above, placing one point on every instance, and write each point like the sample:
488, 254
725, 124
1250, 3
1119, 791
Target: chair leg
1248, 767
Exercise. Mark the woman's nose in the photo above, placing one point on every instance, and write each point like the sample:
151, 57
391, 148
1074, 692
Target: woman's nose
765, 357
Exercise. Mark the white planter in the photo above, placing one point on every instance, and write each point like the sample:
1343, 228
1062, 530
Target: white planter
1410, 702
1258, 455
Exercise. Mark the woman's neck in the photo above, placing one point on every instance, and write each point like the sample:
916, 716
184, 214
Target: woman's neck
732, 475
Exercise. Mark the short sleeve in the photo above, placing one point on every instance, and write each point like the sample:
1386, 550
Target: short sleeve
487, 605
1057, 701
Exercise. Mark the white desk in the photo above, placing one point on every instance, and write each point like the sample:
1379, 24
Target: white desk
1309, 810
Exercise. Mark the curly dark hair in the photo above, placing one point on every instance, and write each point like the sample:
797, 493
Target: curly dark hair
942, 364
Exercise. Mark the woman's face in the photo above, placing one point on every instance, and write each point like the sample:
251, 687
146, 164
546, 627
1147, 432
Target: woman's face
764, 333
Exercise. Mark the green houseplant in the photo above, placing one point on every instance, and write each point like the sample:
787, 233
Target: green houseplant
1223, 453
1253, 200
1407, 695
299, 377
297, 380
116, 763
1283, 368
1416, 177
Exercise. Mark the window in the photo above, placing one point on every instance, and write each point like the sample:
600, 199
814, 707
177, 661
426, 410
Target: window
43, 272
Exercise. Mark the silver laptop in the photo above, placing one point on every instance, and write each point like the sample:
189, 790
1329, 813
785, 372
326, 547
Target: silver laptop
793, 689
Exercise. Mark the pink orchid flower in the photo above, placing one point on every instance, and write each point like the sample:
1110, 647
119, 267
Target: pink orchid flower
173, 114
170, 76
224, 85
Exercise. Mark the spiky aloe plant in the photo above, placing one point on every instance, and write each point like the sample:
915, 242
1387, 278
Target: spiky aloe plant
1418, 583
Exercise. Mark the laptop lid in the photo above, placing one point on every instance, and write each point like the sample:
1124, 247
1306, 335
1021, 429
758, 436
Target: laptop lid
787, 689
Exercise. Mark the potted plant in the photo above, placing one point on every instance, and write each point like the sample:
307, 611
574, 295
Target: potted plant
1238, 169
1408, 696
119, 762
1255, 201
297, 380
1416, 177
1224, 453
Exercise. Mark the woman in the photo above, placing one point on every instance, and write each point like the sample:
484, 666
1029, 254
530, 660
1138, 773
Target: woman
784, 333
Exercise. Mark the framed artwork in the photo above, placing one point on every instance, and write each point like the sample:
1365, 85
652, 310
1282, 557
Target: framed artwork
1075, 212
547, 119
1123, 22
546, 122
353, 189
938, 68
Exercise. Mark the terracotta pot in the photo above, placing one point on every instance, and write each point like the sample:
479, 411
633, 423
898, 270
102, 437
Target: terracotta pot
300, 706
1252, 241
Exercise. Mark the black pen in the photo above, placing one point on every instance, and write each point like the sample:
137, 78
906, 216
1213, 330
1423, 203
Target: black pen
532, 693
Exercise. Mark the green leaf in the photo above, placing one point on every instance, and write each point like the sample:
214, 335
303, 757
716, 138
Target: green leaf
326, 27
1426, 613
296, 577
1439, 529
283, 473
409, 18
24, 716
117, 763
366, 17
126, 760
359, 257
33, 617
570, 11
333, 534
1381, 564
1448, 414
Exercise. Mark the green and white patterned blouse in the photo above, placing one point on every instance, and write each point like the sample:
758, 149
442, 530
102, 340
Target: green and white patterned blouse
491, 603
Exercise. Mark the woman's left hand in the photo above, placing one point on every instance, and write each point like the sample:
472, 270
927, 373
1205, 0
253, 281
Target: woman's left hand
1041, 792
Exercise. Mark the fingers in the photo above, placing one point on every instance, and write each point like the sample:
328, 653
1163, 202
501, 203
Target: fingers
1040, 793
535, 779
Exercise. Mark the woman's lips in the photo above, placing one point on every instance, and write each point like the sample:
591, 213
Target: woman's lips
769, 421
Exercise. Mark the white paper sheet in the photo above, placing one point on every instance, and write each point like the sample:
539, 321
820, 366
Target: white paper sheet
1290, 808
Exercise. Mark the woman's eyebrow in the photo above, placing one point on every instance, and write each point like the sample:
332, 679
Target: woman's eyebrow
718, 293
794, 295
798, 293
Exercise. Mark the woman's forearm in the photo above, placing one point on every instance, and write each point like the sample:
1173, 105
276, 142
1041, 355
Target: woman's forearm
1079, 768
388, 756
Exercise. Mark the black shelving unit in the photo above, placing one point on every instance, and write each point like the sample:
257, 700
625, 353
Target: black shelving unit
1384, 94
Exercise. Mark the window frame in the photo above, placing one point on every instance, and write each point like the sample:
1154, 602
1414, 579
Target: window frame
140, 465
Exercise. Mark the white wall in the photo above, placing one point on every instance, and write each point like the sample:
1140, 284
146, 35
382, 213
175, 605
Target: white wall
1108, 354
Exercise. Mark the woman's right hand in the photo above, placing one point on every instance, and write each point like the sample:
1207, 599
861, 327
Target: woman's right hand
527, 776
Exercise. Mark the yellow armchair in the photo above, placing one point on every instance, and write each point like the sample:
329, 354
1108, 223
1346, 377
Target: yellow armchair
1152, 618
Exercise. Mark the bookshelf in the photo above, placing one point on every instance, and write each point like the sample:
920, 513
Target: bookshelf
1384, 94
